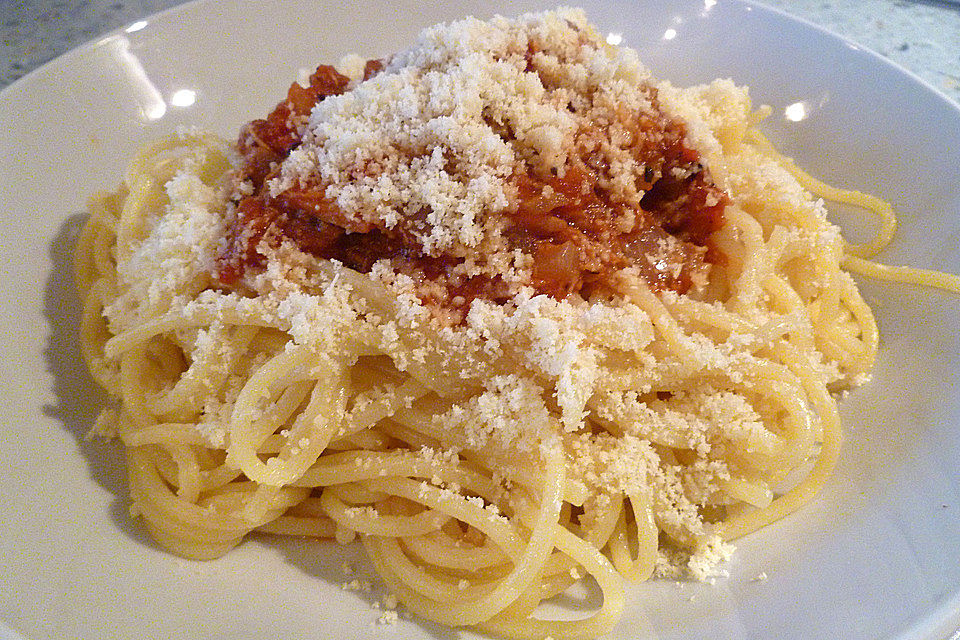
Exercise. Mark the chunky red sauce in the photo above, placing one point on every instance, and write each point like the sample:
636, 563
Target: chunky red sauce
568, 224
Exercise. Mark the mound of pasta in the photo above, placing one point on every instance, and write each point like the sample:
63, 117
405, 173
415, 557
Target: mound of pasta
503, 306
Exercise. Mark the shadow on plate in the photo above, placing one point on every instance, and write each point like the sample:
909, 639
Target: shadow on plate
78, 397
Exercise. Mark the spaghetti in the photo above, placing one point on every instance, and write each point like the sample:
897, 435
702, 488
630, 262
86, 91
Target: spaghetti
562, 320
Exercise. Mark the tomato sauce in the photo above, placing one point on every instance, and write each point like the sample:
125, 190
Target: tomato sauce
569, 224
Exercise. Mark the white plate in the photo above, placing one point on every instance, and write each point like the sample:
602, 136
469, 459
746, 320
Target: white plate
877, 555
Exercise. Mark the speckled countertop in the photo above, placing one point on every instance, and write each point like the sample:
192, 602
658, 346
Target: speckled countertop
921, 35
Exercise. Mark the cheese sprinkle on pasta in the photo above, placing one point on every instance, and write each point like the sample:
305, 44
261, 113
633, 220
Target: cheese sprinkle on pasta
503, 306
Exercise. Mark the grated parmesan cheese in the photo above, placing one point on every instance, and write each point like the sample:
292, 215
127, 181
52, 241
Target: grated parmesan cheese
417, 150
